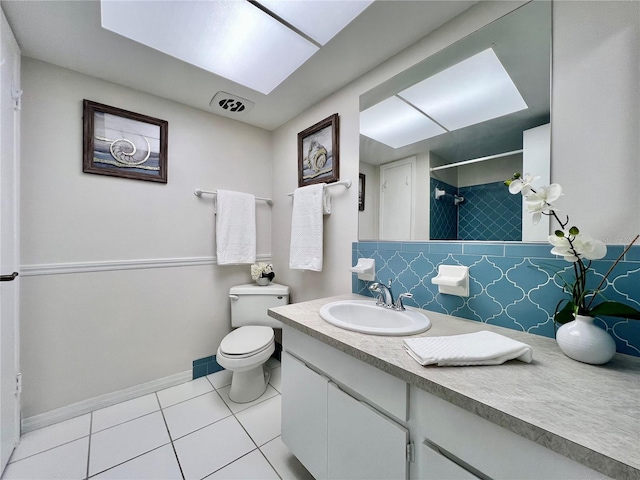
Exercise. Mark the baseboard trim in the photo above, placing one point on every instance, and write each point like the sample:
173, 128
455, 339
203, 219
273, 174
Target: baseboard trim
113, 265
102, 401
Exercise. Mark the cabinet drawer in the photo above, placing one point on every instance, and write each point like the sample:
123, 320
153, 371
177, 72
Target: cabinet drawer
383, 390
487, 448
435, 466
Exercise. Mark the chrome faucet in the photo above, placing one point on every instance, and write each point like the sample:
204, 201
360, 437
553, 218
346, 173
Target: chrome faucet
385, 295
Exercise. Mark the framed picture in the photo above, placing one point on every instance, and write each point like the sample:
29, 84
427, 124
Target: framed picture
124, 144
318, 153
361, 185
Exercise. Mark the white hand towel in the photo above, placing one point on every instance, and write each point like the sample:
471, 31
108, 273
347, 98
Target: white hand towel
235, 228
306, 228
326, 202
480, 348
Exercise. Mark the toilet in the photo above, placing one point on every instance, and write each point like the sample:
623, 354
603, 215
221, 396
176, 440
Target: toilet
245, 350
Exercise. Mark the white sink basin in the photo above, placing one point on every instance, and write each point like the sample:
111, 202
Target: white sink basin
365, 316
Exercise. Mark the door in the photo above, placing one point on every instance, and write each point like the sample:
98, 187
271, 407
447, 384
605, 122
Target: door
363, 443
304, 414
397, 204
9, 247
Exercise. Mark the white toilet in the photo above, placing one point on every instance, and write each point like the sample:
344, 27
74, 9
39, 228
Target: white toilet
245, 350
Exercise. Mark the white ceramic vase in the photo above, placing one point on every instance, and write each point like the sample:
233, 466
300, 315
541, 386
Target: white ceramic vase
263, 281
585, 342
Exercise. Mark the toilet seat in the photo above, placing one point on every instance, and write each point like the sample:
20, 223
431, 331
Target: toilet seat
247, 341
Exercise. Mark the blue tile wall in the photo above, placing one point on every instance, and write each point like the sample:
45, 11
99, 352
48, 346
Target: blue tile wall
489, 213
512, 285
443, 214
205, 366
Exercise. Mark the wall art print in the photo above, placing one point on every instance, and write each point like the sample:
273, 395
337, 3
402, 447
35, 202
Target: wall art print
124, 144
318, 153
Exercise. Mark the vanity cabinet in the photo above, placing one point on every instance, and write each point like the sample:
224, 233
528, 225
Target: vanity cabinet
333, 429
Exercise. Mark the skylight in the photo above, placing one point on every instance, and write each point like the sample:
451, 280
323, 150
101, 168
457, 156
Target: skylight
397, 124
231, 38
471, 92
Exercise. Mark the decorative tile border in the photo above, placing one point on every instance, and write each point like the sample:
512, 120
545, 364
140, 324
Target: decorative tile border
512, 285
205, 366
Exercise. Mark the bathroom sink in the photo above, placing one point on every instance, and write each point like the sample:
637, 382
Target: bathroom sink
365, 316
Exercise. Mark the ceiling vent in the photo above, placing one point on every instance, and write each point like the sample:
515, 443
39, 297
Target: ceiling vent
224, 102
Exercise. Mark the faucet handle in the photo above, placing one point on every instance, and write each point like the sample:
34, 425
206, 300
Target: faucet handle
399, 305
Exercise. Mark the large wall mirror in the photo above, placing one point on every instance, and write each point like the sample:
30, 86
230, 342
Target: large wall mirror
438, 140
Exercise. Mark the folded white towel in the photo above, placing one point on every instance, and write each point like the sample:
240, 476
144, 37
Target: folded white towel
480, 348
306, 228
235, 228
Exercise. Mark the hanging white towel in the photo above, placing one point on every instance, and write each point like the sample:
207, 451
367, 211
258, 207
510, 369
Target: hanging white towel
480, 348
326, 202
235, 228
306, 228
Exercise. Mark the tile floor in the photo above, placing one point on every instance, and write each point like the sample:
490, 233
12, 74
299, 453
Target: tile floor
190, 431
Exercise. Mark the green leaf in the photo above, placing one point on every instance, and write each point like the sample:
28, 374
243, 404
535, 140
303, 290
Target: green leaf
566, 313
574, 231
559, 233
615, 309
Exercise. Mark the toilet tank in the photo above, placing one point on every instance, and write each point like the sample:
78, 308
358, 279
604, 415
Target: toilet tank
249, 304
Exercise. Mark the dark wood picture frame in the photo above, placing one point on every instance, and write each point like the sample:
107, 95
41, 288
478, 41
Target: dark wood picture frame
319, 152
120, 143
361, 185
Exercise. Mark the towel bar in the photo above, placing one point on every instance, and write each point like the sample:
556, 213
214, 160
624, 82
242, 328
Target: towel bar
345, 183
198, 192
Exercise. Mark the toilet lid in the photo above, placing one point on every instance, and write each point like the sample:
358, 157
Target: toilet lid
246, 340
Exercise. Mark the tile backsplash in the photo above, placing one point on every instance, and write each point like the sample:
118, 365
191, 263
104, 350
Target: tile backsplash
512, 285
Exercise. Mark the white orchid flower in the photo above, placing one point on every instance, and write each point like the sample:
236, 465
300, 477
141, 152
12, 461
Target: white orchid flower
541, 201
583, 246
589, 247
522, 185
562, 247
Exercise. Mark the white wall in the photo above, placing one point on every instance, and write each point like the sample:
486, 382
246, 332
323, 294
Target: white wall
341, 227
595, 119
368, 219
87, 334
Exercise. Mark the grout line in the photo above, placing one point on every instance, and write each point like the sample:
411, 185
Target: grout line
47, 449
129, 460
173, 447
268, 461
89, 447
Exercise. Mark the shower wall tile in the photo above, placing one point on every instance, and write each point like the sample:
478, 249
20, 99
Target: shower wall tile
443, 214
511, 285
489, 212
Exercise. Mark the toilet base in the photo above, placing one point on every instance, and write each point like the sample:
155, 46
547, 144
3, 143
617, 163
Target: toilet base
249, 385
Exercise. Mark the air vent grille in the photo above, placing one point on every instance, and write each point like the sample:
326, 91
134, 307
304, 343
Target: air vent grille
230, 104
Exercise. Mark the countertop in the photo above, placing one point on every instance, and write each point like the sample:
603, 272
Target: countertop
588, 413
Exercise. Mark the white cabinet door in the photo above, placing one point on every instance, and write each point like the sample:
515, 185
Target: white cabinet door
438, 467
363, 443
304, 414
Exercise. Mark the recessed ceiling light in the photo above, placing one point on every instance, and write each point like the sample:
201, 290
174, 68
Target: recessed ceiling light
320, 19
397, 124
233, 39
472, 91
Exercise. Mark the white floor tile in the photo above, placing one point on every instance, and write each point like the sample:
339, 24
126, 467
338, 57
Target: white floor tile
262, 421
211, 448
159, 464
52, 436
220, 379
67, 462
238, 407
276, 379
123, 442
184, 391
188, 416
123, 412
252, 466
287, 466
